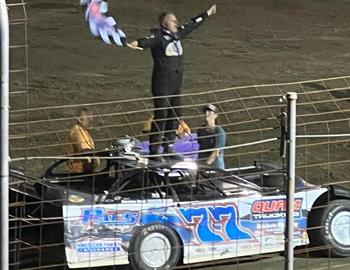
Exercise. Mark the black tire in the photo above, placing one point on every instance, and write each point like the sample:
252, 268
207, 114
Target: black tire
152, 234
323, 223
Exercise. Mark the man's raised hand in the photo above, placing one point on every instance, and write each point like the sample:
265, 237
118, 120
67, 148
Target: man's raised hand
212, 10
134, 45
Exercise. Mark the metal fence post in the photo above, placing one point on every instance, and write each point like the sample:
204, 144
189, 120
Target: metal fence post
291, 143
4, 136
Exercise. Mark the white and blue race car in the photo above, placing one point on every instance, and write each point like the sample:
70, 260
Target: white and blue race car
156, 216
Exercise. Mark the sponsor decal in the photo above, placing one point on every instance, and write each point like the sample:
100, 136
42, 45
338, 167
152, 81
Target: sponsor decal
101, 216
214, 223
274, 209
274, 225
269, 241
96, 247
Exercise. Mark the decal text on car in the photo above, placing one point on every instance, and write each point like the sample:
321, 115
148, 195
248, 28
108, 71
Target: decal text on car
88, 247
273, 208
214, 223
100, 216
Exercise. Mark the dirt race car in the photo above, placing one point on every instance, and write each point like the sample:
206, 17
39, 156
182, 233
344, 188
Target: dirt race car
158, 215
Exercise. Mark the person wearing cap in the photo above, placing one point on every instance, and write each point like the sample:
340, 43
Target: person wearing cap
211, 137
167, 51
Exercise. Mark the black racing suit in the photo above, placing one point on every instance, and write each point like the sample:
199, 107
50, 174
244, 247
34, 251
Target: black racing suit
167, 79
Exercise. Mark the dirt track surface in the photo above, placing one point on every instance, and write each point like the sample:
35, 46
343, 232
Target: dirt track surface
247, 42
301, 262
278, 263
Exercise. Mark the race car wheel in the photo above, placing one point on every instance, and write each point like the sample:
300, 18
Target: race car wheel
332, 228
155, 247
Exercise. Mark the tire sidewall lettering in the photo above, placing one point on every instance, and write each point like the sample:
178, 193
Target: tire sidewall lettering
149, 229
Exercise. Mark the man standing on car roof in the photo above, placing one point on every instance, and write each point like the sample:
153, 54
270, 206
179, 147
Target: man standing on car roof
167, 51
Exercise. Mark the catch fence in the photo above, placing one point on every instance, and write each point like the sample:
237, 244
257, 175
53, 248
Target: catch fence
251, 117
252, 121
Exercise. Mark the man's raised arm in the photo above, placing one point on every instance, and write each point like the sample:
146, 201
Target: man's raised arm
187, 28
143, 43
